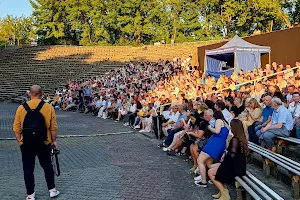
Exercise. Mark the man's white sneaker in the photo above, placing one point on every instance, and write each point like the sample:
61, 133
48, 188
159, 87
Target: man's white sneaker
165, 149
198, 178
31, 197
137, 127
126, 124
53, 193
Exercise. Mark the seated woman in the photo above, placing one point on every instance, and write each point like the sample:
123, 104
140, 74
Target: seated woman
186, 127
122, 110
186, 137
111, 109
234, 163
214, 148
204, 135
147, 120
252, 114
141, 113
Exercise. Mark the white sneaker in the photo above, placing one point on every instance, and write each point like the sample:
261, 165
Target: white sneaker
197, 171
31, 197
165, 149
137, 126
126, 124
198, 178
53, 193
142, 131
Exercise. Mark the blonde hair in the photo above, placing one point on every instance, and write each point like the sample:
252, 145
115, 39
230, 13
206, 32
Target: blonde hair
256, 104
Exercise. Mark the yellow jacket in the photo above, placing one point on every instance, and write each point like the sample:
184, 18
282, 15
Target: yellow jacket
47, 112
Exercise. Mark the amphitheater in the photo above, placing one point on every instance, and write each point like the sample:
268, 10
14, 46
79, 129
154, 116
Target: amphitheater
52, 66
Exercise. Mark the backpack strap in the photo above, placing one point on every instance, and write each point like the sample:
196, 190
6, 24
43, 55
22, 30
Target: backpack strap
27, 108
39, 107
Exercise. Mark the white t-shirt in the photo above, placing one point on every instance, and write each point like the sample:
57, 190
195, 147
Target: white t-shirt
132, 108
227, 115
294, 109
174, 116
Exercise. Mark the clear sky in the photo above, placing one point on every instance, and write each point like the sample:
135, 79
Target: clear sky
15, 8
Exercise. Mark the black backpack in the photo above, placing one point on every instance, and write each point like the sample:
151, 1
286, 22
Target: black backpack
34, 127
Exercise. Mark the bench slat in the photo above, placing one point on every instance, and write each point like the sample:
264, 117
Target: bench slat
256, 188
275, 160
247, 188
282, 158
264, 186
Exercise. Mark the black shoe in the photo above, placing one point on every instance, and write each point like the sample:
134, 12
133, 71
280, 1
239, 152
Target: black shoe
162, 145
171, 153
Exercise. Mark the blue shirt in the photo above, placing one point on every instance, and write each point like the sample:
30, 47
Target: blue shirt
267, 111
282, 115
87, 92
181, 116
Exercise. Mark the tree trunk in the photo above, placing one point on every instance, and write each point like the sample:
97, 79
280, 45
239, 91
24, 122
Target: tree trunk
271, 26
175, 29
138, 40
285, 18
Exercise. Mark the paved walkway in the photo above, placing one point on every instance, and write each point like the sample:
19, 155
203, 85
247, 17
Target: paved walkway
120, 166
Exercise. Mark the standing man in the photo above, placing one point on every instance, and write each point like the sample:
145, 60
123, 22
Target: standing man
35, 129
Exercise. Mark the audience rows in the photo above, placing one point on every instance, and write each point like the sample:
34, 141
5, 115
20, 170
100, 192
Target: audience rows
210, 127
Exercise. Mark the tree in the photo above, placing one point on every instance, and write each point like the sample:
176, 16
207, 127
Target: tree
17, 30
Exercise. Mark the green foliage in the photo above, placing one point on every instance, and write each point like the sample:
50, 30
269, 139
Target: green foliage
135, 22
16, 30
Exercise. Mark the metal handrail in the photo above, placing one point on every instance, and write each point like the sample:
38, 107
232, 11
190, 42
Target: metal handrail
275, 155
247, 188
264, 186
257, 189
275, 160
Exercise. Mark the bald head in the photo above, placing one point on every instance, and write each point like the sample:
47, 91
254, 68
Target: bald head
267, 100
36, 91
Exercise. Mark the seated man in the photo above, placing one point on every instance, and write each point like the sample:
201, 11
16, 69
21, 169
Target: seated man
294, 108
178, 127
173, 117
91, 106
97, 106
220, 106
280, 125
265, 119
102, 107
72, 104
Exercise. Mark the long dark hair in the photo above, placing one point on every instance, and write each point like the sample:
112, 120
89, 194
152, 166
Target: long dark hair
219, 115
194, 114
238, 131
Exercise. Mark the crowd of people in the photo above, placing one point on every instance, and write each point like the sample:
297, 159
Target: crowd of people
210, 126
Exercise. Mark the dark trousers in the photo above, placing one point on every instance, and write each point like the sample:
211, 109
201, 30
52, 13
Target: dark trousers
132, 118
29, 153
171, 133
252, 132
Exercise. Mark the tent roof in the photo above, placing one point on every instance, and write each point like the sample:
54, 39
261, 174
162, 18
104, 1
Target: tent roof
237, 44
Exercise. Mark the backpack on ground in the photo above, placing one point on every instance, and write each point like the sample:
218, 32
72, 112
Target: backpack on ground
34, 127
